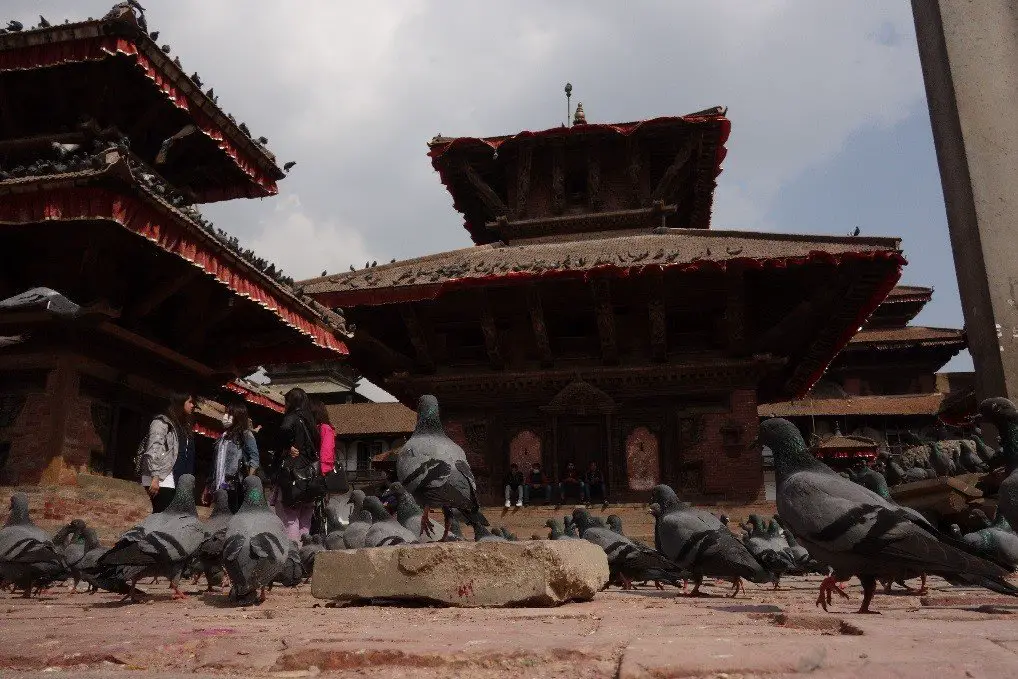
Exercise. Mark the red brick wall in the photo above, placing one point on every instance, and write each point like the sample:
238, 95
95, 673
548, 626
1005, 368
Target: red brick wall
733, 473
33, 457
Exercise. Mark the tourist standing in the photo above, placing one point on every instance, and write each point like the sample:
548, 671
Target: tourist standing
514, 482
298, 445
327, 435
236, 456
167, 452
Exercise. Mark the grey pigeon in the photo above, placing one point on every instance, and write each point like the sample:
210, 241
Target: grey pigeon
484, 534
353, 536
435, 470
385, 530
857, 532
555, 530
996, 542
292, 572
627, 560
984, 452
164, 542
769, 548
408, 512
312, 545
940, 460
210, 553
969, 460
698, 542
28, 557
92, 551
256, 545
1004, 416
455, 530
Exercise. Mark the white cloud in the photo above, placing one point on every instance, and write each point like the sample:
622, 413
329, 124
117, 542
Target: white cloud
304, 247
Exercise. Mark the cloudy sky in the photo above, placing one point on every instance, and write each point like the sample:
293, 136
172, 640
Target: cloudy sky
830, 128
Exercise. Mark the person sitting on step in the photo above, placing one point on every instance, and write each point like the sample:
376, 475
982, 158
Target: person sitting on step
513, 482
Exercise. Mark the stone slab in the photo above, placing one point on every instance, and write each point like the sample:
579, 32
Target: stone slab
465, 574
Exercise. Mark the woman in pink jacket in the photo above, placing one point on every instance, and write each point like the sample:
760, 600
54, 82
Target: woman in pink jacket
327, 451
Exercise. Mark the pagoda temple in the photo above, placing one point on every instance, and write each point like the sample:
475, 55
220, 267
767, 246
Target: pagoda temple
116, 291
598, 318
884, 385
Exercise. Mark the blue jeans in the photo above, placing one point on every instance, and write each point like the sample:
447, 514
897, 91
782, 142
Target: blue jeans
529, 490
572, 484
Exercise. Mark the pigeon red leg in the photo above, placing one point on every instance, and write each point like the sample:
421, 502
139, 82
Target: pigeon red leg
448, 519
869, 587
626, 582
828, 586
738, 587
658, 585
177, 594
426, 528
922, 586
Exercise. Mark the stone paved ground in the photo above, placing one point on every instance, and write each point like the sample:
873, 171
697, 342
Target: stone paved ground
950, 633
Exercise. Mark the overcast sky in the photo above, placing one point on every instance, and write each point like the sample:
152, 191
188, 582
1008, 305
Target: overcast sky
830, 128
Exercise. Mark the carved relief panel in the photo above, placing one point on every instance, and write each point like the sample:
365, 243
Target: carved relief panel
643, 467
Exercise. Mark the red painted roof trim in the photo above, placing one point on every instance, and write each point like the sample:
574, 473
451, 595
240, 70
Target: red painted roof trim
97, 49
172, 236
254, 397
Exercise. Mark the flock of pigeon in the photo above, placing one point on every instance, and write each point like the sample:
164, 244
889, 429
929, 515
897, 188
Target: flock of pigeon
826, 524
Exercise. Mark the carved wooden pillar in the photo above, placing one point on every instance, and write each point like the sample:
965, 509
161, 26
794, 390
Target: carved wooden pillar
656, 316
558, 178
492, 342
594, 177
601, 290
735, 309
417, 337
523, 165
539, 327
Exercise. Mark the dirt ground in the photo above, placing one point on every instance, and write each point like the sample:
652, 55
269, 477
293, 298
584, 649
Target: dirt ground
951, 632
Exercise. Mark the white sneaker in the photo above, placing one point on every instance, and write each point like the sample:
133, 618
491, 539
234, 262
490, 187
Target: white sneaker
508, 504
519, 503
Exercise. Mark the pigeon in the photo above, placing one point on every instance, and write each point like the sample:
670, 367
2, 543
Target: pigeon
940, 460
14, 26
483, 534
292, 572
408, 512
970, 461
385, 529
289, 166
769, 548
312, 545
435, 470
555, 530
28, 556
997, 542
627, 560
455, 530
154, 35
353, 536
857, 532
81, 567
984, 452
614, 522
256, 544
43, 23
698, 542
210, 553
164, 542
1004, 416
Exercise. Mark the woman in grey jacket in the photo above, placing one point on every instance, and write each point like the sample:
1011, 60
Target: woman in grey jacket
167, 435
236, 456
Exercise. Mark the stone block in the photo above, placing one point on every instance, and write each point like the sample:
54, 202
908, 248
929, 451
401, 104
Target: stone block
526, 573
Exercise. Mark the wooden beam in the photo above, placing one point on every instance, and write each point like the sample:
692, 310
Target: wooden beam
657, 319
540, 329
492, 344
158, 294
492, 201
218, 309
634, 169
735, 309
397, 360
160, 350
524, 162
667, 184
417, 337
142, 122
600, 287
801, 315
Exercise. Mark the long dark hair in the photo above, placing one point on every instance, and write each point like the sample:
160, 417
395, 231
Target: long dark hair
296, 400
320, 413
241, 420
182, 421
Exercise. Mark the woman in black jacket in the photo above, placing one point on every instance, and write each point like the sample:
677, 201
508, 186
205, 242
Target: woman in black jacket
298, 448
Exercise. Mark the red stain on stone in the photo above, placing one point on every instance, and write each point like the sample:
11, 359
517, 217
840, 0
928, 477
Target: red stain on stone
466, 589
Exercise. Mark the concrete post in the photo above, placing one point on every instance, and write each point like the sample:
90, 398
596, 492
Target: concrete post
969, 55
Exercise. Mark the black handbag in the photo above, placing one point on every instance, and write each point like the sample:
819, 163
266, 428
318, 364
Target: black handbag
300, 478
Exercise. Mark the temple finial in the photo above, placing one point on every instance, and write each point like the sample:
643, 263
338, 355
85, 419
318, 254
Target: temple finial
579, 118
